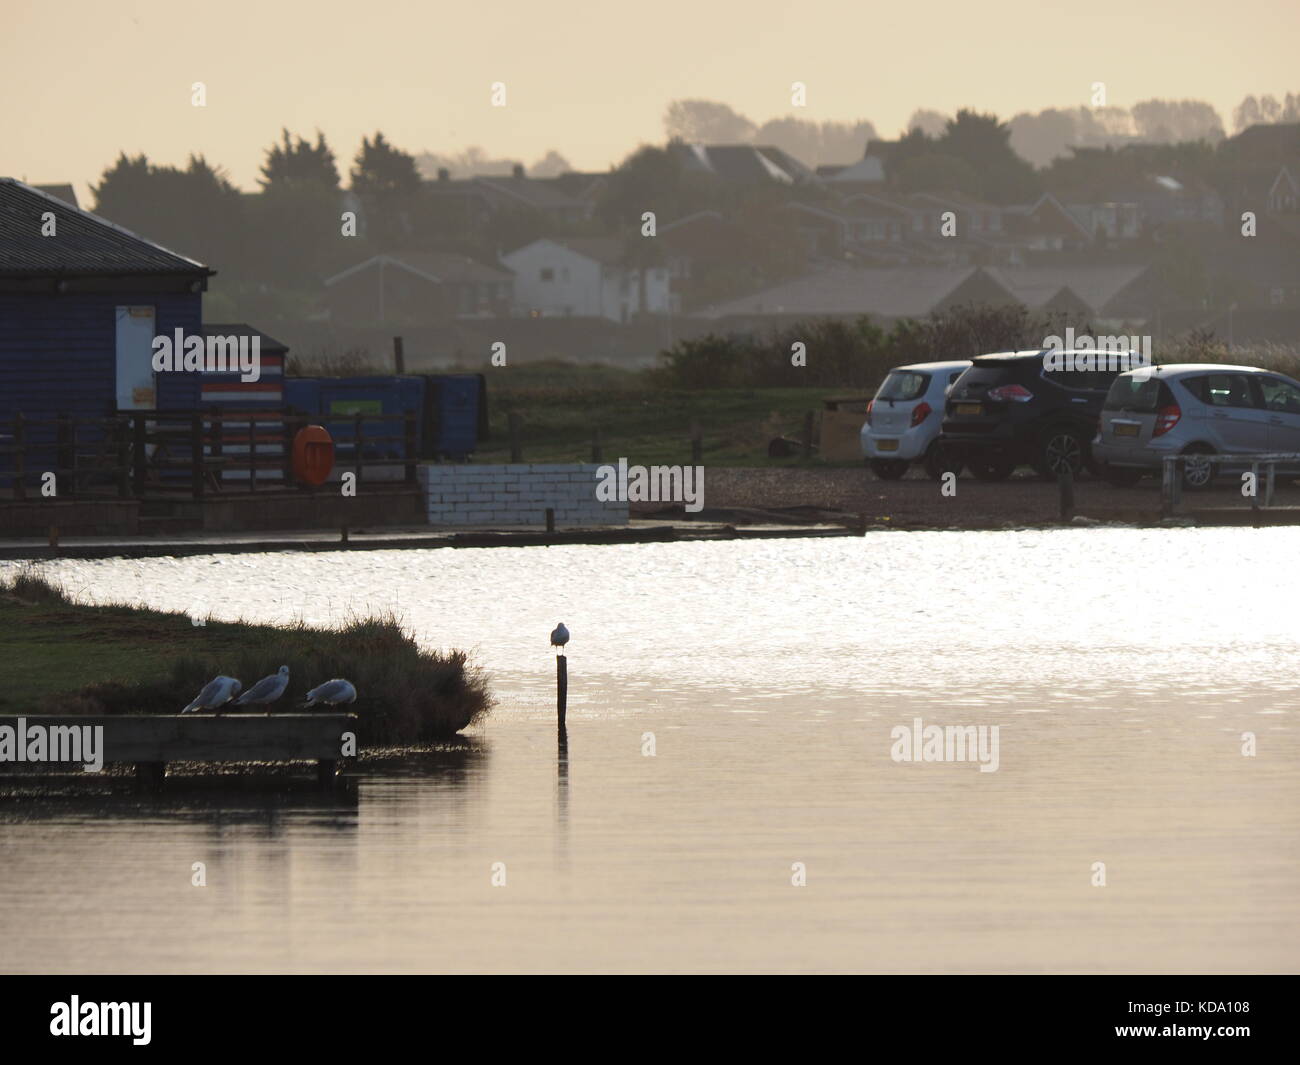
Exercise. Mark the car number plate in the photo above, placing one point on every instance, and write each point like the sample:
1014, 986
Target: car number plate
970, 408
1125, 430
886, 445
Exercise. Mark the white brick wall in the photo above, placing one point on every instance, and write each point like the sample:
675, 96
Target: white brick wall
517, 495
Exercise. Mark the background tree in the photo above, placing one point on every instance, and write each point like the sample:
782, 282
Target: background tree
706, 122
292, 161
388, 183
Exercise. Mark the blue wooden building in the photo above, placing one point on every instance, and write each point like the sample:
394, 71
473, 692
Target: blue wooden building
81, 300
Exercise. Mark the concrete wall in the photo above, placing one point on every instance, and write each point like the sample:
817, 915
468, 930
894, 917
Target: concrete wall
517, 495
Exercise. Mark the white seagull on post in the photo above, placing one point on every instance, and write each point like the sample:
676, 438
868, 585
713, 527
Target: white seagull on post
332, 693
266, 691
215, 694
560, 637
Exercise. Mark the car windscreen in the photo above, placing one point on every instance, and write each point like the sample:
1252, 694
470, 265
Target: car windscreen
903, 385
1140, 396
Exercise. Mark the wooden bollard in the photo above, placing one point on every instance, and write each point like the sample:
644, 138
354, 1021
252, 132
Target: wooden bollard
54, 536
561, 691
550, 519
1065, 484
343, 535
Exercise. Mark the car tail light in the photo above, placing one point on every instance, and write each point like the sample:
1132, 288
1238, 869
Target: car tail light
1166, 419
919, 413
1010, 394
869, 406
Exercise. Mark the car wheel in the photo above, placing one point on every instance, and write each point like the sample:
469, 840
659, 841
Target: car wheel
888, 469
1120, 477
1061, 447
940, 460
1198, 472
992, 471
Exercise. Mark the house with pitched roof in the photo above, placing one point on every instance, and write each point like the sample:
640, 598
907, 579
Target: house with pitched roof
418, 287
848, 292
588, 277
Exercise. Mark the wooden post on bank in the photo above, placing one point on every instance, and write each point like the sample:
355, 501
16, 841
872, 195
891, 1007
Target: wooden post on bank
1065, 483
550, 519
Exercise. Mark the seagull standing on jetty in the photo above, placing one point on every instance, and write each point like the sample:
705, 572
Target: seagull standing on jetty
266, 691
560, 637
215, 694
332, 693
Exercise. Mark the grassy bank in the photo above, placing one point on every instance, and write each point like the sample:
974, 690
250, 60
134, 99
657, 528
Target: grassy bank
562, 405
62, 656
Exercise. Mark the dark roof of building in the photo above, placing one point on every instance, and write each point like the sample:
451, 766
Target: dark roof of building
84, 244
747, 163
269, 345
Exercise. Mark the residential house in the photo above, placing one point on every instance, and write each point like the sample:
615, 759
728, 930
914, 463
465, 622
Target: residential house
565, 200
418, 287
745, 164
848, 292
587, 277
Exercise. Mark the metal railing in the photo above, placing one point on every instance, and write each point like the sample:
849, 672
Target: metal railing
1175, 466
194, 453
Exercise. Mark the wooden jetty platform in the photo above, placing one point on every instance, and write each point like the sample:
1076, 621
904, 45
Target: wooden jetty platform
151, 741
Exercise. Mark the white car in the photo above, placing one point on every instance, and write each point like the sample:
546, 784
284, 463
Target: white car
904, 418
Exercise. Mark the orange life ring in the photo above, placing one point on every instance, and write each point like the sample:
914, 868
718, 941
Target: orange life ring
313, 454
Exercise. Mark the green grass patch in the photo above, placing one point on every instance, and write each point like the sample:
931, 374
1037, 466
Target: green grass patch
561, 407
62, 656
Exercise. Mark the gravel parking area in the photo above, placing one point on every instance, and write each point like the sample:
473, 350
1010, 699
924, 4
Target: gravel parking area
916, 501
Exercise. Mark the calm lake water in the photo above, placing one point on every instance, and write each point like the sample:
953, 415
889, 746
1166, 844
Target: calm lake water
1121, 666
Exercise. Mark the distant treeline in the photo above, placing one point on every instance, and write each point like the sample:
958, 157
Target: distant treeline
841, 354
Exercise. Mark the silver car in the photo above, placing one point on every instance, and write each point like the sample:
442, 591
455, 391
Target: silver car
904, 418
1194, 409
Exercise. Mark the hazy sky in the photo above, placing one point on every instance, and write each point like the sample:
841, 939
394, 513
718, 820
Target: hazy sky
84, 79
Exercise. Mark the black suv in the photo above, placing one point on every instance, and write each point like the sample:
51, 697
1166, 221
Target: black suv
1008, 409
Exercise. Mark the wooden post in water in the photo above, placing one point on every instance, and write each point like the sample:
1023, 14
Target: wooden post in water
561, 693
1065, 484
